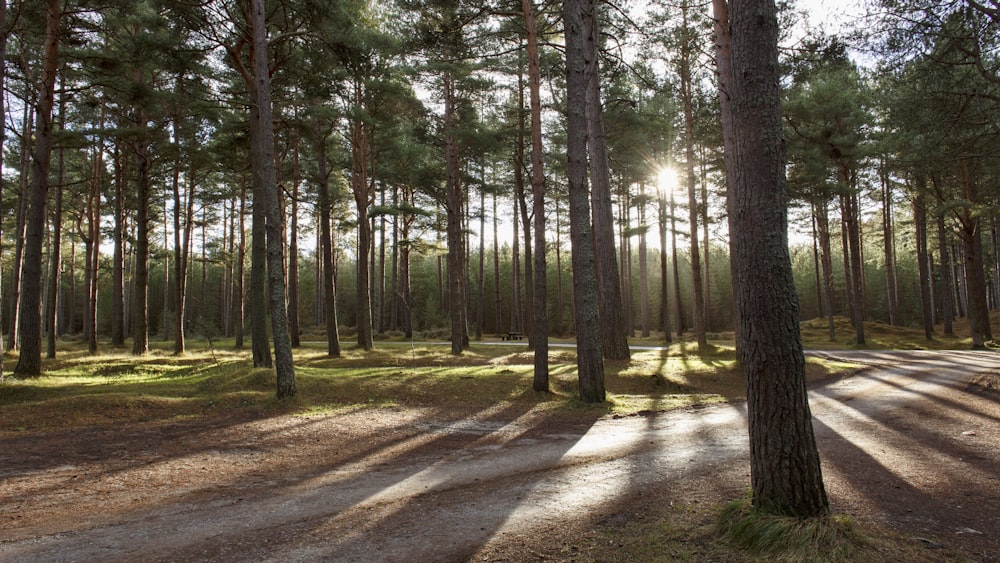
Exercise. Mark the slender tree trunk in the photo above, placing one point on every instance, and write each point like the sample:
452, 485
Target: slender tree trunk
326, 247
140, 303
852, 219
920, 226
293, 251
687, 96
664, 289
786, 478
888, 235
481, 281
826, 259
55, 253
643, 266
497, 295
947, 296
587, 319
29, 363
119, 230
681, 320
24, 196
614, 338
540, 381
816, 267
239, 299
527, 306
262, 143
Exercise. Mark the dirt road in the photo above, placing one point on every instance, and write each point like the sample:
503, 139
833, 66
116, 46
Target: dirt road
912, 442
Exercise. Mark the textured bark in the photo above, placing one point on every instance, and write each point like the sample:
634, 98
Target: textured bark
586, 319
614, 338
29, 363
293, 250
263, 164
540, 382
456, 240
521, 202
785, 469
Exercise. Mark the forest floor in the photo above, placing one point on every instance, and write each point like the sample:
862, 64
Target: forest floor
910, 447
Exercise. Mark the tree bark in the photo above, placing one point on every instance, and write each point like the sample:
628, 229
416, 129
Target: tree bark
326, 247
785, 469
614, 338
889, 250
586, 316
118, 256
852, 220
262, 143
920, 226
456, 240
540, 382
947, 295
975, 275
29, 363
826, 259
687, 96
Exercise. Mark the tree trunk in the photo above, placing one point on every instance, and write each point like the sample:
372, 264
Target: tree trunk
326, 247
664, 289
456, 239
826, 259
643, 266
947, 296
681, 320
29, 363
55, 252
363, 199
262, 146
614, 338
586, 316
239, 297
540, 381
140, 303
687, 96
527, 307
920, 226
975, 276
785, 468
852, 220
481, 279
497, 294
293, 251
24, 195
118, 257
889, 248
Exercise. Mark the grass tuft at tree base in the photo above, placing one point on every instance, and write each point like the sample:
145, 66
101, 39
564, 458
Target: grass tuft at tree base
827, 538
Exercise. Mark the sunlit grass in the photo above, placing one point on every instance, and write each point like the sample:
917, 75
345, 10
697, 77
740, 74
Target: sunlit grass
79, 390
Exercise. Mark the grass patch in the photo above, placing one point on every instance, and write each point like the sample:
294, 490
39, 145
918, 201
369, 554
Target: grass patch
831, 538
79, 390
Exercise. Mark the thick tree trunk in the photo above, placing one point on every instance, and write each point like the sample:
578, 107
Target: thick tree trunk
785, 468
456, 239
587, 320
614, 338
262, 143
29, 363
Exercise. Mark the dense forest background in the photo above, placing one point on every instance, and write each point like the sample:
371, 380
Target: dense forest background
382, 111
